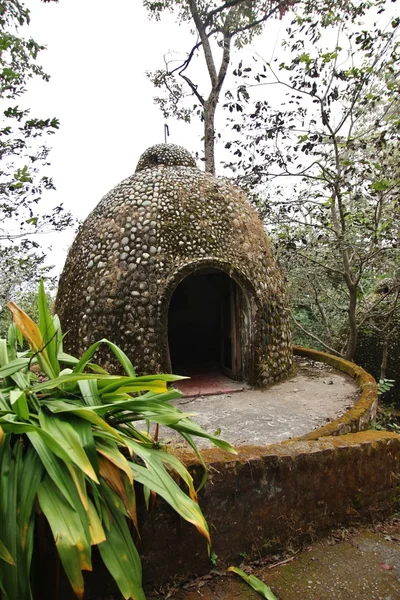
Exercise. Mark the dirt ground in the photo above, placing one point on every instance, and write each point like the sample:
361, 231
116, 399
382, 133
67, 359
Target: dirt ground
315, 395
351, 564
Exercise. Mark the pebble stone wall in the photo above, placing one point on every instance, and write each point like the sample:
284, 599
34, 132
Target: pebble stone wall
156, 227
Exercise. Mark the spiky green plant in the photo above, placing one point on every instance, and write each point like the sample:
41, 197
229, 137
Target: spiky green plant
69, 447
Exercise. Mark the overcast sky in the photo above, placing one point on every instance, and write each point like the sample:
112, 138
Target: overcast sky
97, 56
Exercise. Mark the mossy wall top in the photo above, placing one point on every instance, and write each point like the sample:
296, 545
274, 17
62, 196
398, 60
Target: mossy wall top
164, 222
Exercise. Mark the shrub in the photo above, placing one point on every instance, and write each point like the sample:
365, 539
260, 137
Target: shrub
70, 447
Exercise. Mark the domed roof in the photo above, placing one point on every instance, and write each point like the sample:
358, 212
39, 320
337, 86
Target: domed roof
168, 155
164, 222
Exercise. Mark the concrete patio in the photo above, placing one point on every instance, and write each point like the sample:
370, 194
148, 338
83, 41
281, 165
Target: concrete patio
315, 395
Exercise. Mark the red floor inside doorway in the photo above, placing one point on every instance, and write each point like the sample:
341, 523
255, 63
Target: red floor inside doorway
207, 383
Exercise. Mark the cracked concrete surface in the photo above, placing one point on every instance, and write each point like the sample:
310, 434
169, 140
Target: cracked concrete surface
315, 395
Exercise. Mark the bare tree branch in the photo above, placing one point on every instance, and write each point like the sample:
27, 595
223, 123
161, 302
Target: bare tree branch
316, 338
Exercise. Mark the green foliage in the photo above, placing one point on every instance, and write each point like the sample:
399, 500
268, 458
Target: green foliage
257, 585
322, 162
214, 25
23, 156
25, 295
71, 448
307, 319
384, 385
245, 18
213, 558
387, 419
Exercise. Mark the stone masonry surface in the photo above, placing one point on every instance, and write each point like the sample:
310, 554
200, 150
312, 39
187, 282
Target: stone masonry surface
166, 221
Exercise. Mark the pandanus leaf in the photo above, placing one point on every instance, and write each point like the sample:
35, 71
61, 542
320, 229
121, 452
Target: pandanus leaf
191, 428
58, 406
50, 334
119, 553
19, 404
29, 480
62, 432
4, 358
255, 583
121, 356
14, 578
135, 384
90, 392
84, 430
156, 478
67, 359
33, 336
56, 469
13, 367
71, 537
5, 555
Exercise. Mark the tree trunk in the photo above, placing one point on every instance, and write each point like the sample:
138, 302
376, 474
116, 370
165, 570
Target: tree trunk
353, 330
209, 133
385, 351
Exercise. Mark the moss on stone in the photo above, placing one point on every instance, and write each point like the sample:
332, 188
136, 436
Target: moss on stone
361, 414
165, 222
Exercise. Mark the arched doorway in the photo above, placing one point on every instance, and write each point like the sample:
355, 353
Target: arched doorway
204, 324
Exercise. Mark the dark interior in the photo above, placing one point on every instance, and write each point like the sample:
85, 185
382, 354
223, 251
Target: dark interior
199, 323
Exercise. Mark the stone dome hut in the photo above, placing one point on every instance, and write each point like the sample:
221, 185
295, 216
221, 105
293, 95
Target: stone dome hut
174, 266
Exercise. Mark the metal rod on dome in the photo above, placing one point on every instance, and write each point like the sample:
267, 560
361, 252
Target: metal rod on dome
166, 132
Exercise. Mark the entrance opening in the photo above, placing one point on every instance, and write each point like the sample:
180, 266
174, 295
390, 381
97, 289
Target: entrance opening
204, 325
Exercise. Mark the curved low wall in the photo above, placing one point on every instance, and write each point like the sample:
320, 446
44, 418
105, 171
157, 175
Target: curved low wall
290, 492
259, 502
363, 411
268, 497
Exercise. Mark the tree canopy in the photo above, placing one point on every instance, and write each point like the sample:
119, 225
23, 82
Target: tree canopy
216, 27
322, 161
24, 158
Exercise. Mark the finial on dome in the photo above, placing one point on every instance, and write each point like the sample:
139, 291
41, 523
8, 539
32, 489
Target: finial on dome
169, 155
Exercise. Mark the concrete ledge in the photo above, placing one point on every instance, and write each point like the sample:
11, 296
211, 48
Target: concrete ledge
287, 493
267, 498
364, 410
258, 502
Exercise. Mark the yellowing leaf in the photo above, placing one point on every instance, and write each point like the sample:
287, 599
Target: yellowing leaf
118, 481
112, 453
97, 535
31, 333
5, 555
27, 327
